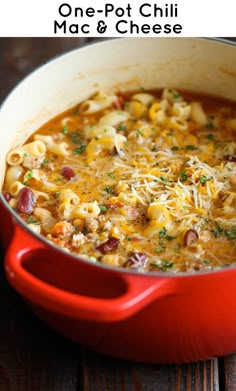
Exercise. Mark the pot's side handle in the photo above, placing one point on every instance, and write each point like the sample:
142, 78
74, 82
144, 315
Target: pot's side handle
139, 292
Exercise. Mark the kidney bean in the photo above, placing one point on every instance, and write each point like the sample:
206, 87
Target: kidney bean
67, 172
119, 103
109, 245
230, 158
136, 260
190, 237
222, 195
26, 201
7, 196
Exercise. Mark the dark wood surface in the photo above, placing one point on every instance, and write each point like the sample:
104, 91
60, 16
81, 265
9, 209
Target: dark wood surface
33, 357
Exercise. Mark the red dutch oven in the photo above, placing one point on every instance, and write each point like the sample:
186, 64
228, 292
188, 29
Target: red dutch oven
153, 317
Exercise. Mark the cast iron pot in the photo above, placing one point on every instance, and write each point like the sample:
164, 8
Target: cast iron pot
153, 317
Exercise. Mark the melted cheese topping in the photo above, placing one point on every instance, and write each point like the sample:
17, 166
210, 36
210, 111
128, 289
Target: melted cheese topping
145, 181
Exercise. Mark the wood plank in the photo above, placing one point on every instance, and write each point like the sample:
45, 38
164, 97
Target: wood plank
19, 56
229, 373
32, 357
103, 373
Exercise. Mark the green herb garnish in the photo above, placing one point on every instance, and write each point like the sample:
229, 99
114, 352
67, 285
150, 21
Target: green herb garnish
230, 234
159, 249
162, 233
190, 147
164, 179
108, 189
209, 126
121, 127
65, 130
31, 220
103, 208
204, 179
210, 137
29, 174
164, 265
169, 238
218, 231
183, 176
79, 150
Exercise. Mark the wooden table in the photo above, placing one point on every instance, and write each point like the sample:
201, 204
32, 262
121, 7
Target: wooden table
33, 357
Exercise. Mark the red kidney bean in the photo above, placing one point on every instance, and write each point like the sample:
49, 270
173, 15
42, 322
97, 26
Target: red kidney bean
109, 245
190, 237
67, 172
230, 158
26, 201
119, 103
222, 195
7, 196
136, 260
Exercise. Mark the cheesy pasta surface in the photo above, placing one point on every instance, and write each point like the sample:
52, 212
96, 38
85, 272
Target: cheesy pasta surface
143, 180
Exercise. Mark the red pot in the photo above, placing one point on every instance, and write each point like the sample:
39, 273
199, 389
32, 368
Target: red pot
153, 317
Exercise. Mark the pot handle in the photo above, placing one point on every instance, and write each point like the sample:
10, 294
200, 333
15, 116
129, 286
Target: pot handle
139, 290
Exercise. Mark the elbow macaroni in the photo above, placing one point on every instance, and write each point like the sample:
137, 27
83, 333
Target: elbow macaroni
60, 149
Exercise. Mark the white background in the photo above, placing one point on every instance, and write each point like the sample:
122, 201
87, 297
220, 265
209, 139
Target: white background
35, 18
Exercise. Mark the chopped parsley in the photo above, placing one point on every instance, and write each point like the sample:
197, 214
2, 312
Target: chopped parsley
230, 234
206, 261
121, 127
210, 136
183, 176
103, 208
108, 189
209, 126
77, 141
204, 179
65, 130
110, 174
162, 233
79, 150
169, 238
175, 94
29, 174
75, 111
84, 231
218, 230
31, 220
190, 147
164, 179
45, 161
175, 148
163, 266
159, 249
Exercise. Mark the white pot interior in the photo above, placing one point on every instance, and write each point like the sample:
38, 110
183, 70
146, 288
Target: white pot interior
194, 64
